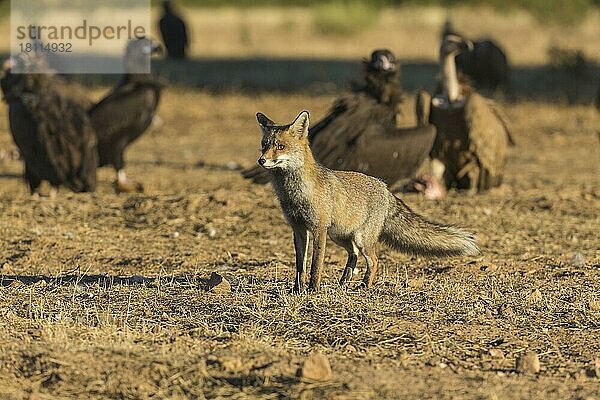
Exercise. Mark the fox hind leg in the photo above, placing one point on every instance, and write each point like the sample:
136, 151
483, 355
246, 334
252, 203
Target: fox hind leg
372, 263
350, 268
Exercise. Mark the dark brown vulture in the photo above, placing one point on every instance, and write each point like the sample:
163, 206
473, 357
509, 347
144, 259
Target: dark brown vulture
472, 137
173, 32
485, 64
360, 133
126, 112
53, 132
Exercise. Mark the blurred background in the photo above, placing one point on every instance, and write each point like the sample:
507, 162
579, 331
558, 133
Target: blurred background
552, 46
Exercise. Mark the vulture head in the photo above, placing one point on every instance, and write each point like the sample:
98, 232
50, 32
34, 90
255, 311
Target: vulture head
454, 44
167, 6
382, 77
382, 61
29, 76
138, 53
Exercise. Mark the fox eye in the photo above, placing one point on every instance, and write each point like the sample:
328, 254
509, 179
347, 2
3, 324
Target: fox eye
280, 147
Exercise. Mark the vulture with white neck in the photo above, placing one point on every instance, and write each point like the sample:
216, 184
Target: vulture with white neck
360, 132
486, 63
472, 137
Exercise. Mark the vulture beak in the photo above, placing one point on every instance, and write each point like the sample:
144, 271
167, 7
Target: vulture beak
454, 44
382, 63
382, 60
466, 45
5, 67
155, 48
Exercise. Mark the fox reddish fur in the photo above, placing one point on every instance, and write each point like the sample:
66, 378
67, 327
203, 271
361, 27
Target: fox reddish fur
356, 211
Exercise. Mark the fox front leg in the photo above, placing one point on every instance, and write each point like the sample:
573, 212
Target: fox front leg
301, 248
318, 257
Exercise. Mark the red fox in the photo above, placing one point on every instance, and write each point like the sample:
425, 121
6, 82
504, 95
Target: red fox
356, 211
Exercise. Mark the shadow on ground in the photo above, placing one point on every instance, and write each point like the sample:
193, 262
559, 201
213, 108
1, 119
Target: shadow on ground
544, 82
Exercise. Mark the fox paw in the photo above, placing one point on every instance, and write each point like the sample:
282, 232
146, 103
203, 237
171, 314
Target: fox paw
363, 286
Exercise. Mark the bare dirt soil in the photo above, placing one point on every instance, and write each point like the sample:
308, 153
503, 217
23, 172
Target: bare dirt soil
102, 295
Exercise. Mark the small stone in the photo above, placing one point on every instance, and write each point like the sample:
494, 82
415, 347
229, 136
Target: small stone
16, 284
316, 368
217, 284
211, 232
350, 348
577, 260
535, 297
496, 353
528, 363
164, 316
416, 283
231, 364
40, 283
593, 370
507, 312
232, 166
174, 235
594, 305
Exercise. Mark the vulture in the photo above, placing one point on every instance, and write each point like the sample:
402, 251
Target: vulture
485, 64
173, 32
472, 136
126, 112
360, 132
52, 131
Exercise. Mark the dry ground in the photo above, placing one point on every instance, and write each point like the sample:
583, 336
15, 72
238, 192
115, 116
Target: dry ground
101, 294
100, 298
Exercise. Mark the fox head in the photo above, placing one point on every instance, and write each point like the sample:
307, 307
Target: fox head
284, 146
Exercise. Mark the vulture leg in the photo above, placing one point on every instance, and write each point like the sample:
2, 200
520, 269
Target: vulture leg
33, 180
122, 184
53, 192
125, 185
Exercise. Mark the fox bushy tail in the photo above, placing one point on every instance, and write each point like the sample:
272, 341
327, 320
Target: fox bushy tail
405, 231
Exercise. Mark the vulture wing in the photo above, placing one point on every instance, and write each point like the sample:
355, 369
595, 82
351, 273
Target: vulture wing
72, 90
63, 148
363, 117
488, 136
126, 111
392, 155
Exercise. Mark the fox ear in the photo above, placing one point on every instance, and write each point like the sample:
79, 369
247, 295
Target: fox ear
300, 124
263, 120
